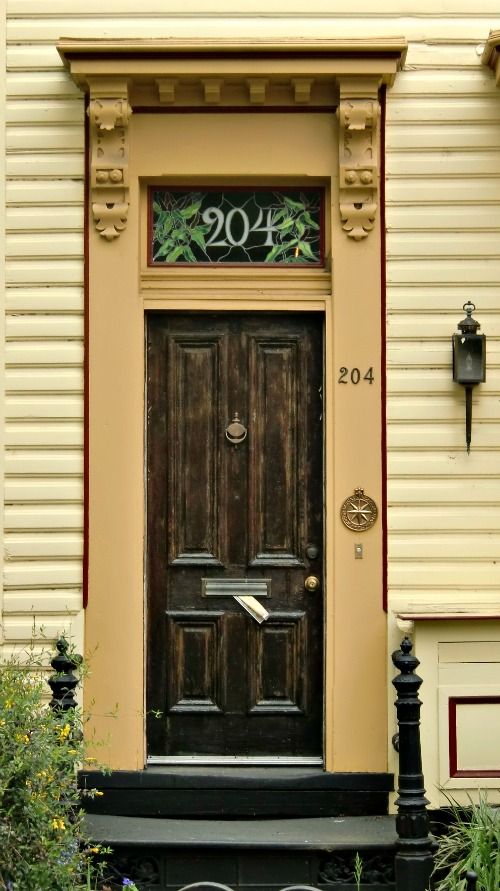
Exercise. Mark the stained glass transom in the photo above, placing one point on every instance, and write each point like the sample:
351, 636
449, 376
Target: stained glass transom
236, 226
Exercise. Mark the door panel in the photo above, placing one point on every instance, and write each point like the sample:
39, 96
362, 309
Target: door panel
219, 681
194, 485
277, 650
275, 465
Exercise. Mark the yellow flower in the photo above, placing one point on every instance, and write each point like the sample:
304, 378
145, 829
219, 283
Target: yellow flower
9, 703
97, 793
57, 823
64, 732
22, 737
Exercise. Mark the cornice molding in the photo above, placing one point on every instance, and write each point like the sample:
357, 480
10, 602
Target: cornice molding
346, 75
71, 48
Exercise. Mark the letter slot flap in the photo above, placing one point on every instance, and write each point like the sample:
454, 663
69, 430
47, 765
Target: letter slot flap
245, 591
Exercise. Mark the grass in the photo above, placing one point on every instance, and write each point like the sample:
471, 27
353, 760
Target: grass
472, 842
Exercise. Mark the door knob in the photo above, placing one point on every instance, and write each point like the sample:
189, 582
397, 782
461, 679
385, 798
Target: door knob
312, 583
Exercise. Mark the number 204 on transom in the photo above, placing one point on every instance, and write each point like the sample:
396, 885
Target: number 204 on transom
355, 375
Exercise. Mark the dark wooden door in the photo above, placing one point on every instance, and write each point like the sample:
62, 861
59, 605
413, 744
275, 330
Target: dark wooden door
225, 510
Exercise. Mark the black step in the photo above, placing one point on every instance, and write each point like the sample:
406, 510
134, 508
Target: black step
237, 792
248, 855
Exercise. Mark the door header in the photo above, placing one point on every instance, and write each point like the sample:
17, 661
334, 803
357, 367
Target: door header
121, 76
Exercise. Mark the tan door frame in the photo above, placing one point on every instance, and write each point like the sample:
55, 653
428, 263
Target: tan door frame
124, 155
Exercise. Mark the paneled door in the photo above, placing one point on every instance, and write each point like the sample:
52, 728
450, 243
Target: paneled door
235, 534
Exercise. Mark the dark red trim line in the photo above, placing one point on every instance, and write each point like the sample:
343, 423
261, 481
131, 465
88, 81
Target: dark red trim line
383, 345
85, 579
447, 617
217, 53
233, 109
453, 701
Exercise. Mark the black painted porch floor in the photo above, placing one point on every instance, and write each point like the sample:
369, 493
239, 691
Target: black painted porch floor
170, 854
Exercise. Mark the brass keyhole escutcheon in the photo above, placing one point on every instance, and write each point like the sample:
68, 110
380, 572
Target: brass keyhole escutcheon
312, 583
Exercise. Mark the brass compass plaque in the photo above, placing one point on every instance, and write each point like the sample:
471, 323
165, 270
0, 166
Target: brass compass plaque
359, 512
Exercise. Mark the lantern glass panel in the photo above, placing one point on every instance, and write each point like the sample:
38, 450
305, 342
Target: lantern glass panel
469, 357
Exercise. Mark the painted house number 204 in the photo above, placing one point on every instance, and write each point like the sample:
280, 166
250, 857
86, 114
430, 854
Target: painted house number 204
355, 375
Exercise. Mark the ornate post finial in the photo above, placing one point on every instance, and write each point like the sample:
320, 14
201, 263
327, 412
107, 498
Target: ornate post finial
414, 861
63, 682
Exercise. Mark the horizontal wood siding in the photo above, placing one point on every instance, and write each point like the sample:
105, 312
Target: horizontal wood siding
43, 346
443, 247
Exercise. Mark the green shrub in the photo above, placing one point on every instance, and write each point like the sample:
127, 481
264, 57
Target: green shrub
472, 842
42, 847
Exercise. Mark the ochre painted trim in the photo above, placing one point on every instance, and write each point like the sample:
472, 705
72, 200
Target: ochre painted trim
121, 288
90, 49
383, 351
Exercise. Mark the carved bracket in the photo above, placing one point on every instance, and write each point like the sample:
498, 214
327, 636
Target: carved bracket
109, 160
358, 164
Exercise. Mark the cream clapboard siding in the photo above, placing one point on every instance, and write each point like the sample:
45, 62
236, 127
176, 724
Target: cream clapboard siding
443, 219
43, 349
2, 284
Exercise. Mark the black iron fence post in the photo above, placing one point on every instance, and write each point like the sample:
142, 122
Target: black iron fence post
414, 861
471, 879
63, 682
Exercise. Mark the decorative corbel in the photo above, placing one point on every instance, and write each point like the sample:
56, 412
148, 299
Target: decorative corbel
358, 162
109, 176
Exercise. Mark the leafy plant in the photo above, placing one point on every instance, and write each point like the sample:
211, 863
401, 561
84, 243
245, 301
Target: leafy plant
358, 870
472, 842
42, 841
293, 224
177, 224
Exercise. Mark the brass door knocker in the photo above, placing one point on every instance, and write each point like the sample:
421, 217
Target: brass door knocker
236, 432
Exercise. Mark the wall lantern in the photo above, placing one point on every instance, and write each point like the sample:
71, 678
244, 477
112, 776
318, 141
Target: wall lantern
469, 361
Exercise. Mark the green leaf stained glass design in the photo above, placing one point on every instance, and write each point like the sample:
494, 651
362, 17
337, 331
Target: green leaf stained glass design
236, 226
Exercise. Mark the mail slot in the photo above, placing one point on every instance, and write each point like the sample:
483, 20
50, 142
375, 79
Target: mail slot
244, 591
236, 587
